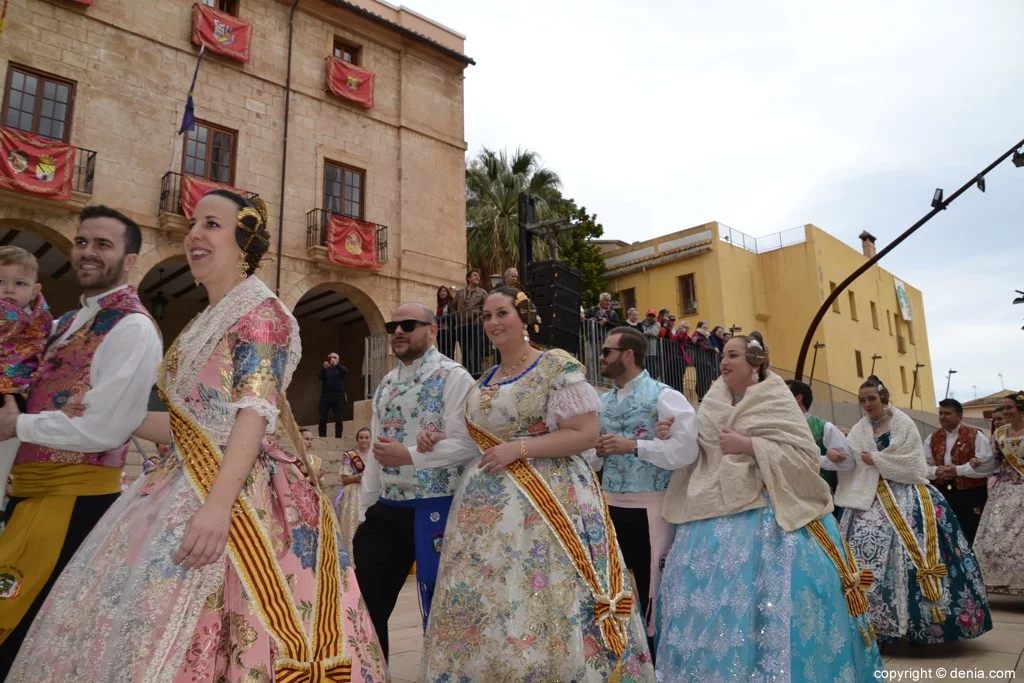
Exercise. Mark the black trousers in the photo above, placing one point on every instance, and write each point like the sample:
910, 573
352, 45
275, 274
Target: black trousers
384, 550
337, 405
84, 516
967, 504
635, 543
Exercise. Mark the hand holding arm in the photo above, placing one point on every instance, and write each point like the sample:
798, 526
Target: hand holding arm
574, 435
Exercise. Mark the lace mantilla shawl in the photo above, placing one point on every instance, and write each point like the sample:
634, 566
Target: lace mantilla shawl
196, 344
903, 461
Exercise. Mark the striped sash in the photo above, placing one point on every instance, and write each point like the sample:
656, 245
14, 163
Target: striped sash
612, 606
304, 658
930, 570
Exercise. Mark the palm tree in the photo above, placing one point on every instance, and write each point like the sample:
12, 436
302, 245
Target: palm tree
494, 182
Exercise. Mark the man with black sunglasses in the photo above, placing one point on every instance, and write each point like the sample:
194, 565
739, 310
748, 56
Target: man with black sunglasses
637, 466
420, 445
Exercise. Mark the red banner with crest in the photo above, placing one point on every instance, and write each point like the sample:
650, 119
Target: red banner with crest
36, 166
350, 82
221, 32
352, 242
193, 189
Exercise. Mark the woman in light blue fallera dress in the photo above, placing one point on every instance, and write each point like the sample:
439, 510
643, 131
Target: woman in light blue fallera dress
758, 585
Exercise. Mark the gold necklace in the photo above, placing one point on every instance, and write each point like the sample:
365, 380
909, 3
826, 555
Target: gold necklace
504, 373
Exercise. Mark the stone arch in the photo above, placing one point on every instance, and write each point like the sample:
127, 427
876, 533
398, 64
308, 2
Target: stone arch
168, 290
151, 258
334, 317
49, 236
366, 303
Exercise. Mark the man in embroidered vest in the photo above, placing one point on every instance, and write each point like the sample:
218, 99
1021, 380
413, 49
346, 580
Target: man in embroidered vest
960, 462
637, 466
420, 444
835, 454
68, 468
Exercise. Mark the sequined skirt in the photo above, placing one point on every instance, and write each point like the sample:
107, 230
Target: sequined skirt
743, 600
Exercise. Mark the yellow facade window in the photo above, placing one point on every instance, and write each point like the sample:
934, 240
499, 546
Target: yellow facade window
860, 364
903, 378
874, 315
688, 294
835, 304
853, 306
888, 319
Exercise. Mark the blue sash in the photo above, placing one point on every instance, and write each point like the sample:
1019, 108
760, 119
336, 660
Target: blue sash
431, 515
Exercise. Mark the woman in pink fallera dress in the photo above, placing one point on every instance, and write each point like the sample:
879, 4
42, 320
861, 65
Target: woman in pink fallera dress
152, 595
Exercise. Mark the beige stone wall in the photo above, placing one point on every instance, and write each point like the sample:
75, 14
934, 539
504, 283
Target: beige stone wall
133, 60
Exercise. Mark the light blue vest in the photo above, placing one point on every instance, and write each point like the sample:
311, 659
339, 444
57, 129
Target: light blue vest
634, 417
403, 410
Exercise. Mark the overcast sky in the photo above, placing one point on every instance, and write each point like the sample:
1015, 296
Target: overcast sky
662, 115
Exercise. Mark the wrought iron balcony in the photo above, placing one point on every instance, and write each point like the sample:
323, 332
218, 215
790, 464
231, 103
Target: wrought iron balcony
170, 194
85, 171
318, 221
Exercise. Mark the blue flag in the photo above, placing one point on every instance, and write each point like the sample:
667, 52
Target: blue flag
188, 119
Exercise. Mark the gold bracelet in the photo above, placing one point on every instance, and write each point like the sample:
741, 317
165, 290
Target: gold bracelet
522, 450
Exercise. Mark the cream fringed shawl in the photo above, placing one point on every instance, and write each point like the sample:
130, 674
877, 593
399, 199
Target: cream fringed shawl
785, 461
903, 461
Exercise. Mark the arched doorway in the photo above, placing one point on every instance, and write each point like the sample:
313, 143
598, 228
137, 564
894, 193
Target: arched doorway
52, 249
330, 320
170, 293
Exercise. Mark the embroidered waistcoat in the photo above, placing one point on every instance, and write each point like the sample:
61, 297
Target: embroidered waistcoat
963, 451
634, 417
817, 426
403, 410
64, 372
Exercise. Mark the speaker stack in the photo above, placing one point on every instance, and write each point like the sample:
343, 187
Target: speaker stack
555, 288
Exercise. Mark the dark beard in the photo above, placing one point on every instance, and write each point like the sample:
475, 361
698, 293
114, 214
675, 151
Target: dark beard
106, 279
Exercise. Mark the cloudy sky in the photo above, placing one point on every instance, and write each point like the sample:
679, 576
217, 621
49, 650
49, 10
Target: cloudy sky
661, 115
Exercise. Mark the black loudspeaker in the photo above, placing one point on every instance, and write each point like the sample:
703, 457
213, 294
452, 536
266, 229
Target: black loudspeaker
554, 288
544, 273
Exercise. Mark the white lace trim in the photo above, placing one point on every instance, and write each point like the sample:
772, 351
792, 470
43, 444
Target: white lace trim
261, 405
578, 398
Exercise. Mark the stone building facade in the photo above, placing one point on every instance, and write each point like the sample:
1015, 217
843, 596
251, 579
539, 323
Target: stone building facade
400, 164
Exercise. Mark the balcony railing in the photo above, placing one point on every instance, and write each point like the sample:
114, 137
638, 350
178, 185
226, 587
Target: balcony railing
318, 221
170, 194
85, 171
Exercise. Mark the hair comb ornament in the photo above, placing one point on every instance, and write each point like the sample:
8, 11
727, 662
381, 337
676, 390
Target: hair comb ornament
254, 226
754, 344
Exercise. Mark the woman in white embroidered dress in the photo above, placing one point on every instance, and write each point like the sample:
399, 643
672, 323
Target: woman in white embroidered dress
509, 603
351, 473
151, 594
1000, 552
927, 587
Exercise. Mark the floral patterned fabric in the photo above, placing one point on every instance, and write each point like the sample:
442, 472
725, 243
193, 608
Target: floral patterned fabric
509, 604
896, 603
743, 600
997, 544
633, 417
23, 336
348, 503
122, 606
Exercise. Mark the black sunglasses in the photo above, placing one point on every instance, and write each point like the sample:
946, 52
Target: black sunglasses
607, 351
406, 325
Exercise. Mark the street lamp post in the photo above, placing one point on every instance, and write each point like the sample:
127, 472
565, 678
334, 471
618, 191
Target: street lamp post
1017, 152
913, 391
949, 377
874, 357
814, 361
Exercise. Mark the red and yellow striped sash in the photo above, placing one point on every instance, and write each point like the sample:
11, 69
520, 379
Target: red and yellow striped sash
318, 658
612, 607
930, 570
855, 580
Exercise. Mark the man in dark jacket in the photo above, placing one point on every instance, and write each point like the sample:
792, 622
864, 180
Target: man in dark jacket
332, 394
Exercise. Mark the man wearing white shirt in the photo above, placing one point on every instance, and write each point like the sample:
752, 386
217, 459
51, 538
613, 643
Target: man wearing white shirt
637, 466
420, 444
68, 468
960, 462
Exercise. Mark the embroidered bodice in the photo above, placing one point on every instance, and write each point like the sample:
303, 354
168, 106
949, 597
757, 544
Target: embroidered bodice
633, 417
238, 354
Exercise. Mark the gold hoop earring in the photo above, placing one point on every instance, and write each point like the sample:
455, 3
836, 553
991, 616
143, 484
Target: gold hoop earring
243, 267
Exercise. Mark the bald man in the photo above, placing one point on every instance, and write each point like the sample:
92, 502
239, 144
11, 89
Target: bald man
408, 484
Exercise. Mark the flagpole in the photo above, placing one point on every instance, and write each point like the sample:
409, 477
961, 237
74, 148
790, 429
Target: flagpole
174, 146
188, 118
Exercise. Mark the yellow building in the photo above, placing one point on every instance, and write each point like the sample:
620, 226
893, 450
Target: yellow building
775, 284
